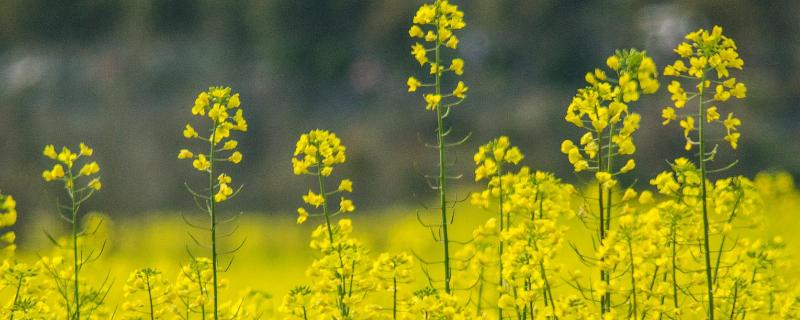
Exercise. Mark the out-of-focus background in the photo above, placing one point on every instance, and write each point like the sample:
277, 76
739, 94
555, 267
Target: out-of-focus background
122, 76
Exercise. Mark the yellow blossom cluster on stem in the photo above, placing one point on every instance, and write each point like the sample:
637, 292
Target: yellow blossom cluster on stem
705, 62
147, 292
433, 27
316, 153
224, 113
8, 218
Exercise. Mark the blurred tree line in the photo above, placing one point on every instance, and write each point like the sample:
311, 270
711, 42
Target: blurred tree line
122, 75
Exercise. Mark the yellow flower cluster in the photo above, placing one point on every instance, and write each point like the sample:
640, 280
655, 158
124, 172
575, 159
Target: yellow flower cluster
194, 288
315, 154
68, 158
147, 292
8, 218
435, 24
705, 52
218, 104
491, 157
602, 110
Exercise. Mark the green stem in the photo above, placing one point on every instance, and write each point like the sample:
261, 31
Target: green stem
16, 295
633, 278
500, 237
604, 299
150, 296
442, 168
342, 281
76, 265
212, 212
394, 297
702, 156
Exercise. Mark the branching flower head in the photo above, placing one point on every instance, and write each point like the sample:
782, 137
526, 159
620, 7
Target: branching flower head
316, 153
602, 109
433, 26
147, 292
66, 158
223, 112
8, 218
706, 58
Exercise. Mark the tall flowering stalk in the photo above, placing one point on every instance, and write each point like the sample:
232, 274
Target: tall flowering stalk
601, 109
434, 24
491, 161
221, 112
78, 190
316, 153
709, 55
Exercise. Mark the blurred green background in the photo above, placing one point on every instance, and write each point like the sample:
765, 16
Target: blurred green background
121, 75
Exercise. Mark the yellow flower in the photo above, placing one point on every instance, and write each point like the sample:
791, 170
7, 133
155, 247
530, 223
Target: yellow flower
460, 90
89, 169
413, 84
668, 114
721, 94
415, 32
712, 114
230, 145
233, 101
346, 185
457, 66
189, 132
613, 62
731, 122
224, 192
605, 179
185, 154
85, 150
419, 53
201, 163
452, 43
200, 104
95, 184
313, 199
235, 157
630, 165
733, 138
684, 50
302, 215
433, 101
687, 125
67, 157
50, 152
224, 178
346, 205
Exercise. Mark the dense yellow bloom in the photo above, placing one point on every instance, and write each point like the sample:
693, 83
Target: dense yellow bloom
319, 150
63, 169
147, 292
436, 24
705, 51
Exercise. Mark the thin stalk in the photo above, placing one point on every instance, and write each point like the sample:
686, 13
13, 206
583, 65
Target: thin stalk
150, 296
394, 297
76, 265
674, 266
633, 278
442, 168
342, 285
16, 295
500, 237
212, 212
604, 299
707, 252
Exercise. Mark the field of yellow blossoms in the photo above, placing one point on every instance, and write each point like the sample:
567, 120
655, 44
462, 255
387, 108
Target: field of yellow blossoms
693, 242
